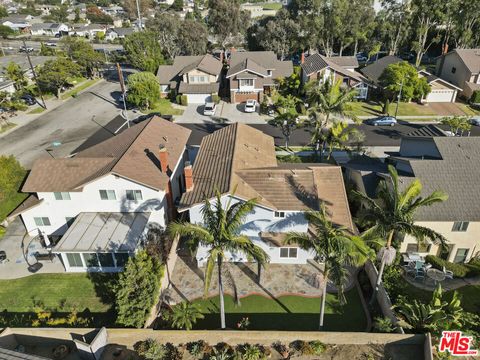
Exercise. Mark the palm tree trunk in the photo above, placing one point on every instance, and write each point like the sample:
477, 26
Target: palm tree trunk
220, 293
380, 272
324, 298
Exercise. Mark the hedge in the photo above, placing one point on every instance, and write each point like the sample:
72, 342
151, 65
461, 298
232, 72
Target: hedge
215, 98
459, 270
475, 99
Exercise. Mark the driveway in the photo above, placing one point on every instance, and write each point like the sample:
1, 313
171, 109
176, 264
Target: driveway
225, 113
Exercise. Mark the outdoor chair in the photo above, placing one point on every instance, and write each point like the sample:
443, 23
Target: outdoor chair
448, 273
420, 274
410, 268
427, 266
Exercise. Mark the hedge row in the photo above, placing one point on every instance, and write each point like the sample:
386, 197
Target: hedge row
459, 270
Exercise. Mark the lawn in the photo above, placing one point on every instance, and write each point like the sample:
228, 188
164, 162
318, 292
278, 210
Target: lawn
272, 6
294, 313
9, 203
164, 107
37, 110
370, 108
82, 86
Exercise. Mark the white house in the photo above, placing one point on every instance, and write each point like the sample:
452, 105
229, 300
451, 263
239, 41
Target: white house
48, 29
240, 162
118, 33
94, 207
90, 31
18, 22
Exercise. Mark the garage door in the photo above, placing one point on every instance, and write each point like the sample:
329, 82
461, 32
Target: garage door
198, 98
242, 97
441, 96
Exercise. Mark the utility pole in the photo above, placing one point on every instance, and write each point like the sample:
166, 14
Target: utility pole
139, 16
34, 74
398, 97
124, 97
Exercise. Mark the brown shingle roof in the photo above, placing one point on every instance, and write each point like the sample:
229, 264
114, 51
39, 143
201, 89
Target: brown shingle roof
132, 154
183, 64
30, 202
375, 70
259, 62
316, 62
350, 62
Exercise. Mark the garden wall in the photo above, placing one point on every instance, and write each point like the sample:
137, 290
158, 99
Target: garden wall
382, 296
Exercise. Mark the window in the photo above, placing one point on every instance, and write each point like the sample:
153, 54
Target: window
246, 82
461, 256
107, 195
460, 226
288, 252
62, 195
74, 260
414, 247
454, 69
106, 259
269, 72
198, 79
279, 214
69, 221
122, 259
90, 259
42, 221
134, 195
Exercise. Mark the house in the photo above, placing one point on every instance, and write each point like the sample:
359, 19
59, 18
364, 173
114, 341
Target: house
239, 161
48, 29
18, 22
441, 90
90, 31
46, 9
461, 67
447, 163
93, 208
320, 68
253, 73
197, 77
257, 11
118, 33
22, 61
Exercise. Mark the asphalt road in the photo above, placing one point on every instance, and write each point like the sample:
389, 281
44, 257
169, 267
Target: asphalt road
14, 45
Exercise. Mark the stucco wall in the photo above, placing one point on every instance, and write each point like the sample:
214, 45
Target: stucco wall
461, 73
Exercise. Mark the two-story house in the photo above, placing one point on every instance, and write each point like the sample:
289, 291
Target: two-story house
239, 161
253, 73
447, 163
94, 207
461, 67
197, 77
321, 68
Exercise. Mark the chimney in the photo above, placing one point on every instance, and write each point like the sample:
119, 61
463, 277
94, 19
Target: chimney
221, 56
163, 157
187, 170
302, 58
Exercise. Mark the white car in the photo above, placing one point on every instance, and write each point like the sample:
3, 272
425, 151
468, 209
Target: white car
475, 120
209, 109
250, 106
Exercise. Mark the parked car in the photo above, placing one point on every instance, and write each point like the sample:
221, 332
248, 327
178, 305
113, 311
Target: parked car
50, 44
361, 57
384, 120
475, 120
28, 99
209, 109
26, 49
250, 106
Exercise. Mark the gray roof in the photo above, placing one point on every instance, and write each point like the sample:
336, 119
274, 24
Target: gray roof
259, 62
210, 88
104, 232
317, 62
15, 355
45, 26
123, 31
471, 58
373, 71
183, 64
344, 61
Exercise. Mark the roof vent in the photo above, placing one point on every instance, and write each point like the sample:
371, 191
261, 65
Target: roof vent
165, 139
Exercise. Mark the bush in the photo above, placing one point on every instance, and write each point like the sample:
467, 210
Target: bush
184, 100
178, 99
282, 349
215, 98
459, 270
197, 348
475, 98
383, 325
317, 347
150, 349
250, 352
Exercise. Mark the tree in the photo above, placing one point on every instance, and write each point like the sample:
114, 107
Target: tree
466, 23
326, 99
185, 315
143, 51
83, 53
14, 72
130, 7
404, 76
220, 233
333, 246
177, 5
46, 50
59, 14
310, 16
6, 31
56, 74
391, 29
137, 290
3, 12
337, 136
97, 16
151, 349
287, 116
143, 89
193, 36
457, 124
392, 214
226, 21
11, 176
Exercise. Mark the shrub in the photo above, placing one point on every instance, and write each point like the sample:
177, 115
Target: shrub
197, 348
178, 99
250, 352
184, 100
383, 325
282, 349
475, 99
150, 349
215, 98
303, 347
317, 347
459, 270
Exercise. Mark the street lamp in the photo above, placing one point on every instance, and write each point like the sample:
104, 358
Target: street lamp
399, 96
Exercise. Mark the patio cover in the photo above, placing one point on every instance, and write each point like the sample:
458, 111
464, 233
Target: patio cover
103, 232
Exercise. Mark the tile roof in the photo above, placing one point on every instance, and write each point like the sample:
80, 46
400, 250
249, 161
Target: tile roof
259, 62
131, 154
183, 64
373, 71
471, 58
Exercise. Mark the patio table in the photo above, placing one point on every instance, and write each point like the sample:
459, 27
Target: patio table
436, 275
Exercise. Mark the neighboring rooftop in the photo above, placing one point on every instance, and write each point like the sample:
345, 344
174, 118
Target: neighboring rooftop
375, 70
132, 154
259, 62
22, 61
341, 64
183, 64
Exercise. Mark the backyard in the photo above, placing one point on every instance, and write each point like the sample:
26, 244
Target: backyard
294, 313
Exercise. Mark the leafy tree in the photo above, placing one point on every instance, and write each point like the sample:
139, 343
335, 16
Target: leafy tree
56, 74
390, 25
143, 89
83, 53
465, 23
137, 290
46, 50
291, 85
130, 7
177, 5
14, 72
333, 246
59, 14
193, 37
97, 16
457, 124
143, 51
392, 214
337, 136
226, 21
310, 16
287, 117
405, 76
220, 233
11, 175
3, 11
185, 315
6, 31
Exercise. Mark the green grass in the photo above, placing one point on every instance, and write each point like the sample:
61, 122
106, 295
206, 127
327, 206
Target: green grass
272, 6
9, 203
7, 127
37, 110
294, 313
78, 88
360, 108
164, 107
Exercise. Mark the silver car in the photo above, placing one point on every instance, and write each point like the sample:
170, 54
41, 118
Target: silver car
475, 120
209, 109
384, 120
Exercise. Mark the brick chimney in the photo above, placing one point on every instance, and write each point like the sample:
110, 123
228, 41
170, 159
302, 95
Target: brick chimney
302, 58
187, 170
163, 158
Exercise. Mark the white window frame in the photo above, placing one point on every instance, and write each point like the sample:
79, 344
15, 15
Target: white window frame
76, 264
136, 195
290, 250
464, 258
40, 221
61, 195
107, 194
242, 86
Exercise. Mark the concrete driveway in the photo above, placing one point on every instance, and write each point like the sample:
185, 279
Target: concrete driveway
225, 113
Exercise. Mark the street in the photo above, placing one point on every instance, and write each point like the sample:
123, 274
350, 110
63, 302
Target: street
12, 46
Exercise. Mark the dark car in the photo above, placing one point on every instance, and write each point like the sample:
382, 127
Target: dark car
29, 99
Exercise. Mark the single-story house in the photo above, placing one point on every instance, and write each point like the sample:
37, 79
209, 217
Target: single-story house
118, 33
320, 68
197, 77
240, 162
90, 31
252, 74
48, 29
18, 22
93, 209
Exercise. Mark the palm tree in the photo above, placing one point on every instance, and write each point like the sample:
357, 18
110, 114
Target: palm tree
14, 72
326, 99
392, 215
220, 233
332, 245
338, 135
185, 315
